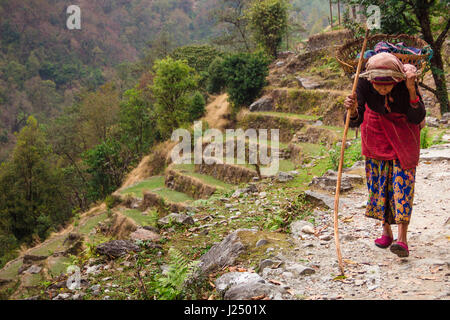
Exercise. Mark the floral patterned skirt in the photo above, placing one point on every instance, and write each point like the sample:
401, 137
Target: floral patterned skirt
391, 191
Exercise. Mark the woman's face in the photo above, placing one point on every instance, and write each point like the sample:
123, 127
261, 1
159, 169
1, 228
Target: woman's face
382, 88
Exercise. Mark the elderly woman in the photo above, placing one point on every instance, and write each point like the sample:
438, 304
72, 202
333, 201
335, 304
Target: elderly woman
389, 109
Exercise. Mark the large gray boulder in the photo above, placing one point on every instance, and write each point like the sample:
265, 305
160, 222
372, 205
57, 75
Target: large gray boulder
322, 199
117, 248
308, 83
246, 291
224, 253
328, 181
263, 104
230, 279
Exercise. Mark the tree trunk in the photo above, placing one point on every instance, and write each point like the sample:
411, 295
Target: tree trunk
437, 64
339, 11
331, 14
439, 80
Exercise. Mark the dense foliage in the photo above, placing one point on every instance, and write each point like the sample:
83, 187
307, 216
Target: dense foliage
245, 76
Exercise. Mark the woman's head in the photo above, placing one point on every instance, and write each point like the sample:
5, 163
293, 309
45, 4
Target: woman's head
382, 67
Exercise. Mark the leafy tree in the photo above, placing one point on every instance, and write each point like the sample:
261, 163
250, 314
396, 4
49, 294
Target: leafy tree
173, 84
107, 164
268, 20
137, 122
198, 57
245, 76
428, 17
65, 135
216, 81
15, 72
196, 106
34, 198
231, 14
99, 113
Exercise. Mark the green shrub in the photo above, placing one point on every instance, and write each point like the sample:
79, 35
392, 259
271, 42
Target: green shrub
351, 155
245, 76
111, 201
196, 107
425, 139
216, 79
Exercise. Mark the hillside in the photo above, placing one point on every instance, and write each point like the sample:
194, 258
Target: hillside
244, 227
44, 66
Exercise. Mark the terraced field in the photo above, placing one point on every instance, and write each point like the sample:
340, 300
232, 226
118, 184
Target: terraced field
156, 185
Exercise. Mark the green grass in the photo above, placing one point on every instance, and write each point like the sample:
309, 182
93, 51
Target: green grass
286, 165
305, 176
189, 170
50, 247
156, 185
172, 195
150, 184
312, 149
138, 217
11, 271
59, 265
91, 223
338, 130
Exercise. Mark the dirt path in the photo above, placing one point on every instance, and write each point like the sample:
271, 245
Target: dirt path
371, 272
217, 111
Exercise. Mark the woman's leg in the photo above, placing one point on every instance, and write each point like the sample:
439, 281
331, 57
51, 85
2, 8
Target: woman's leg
403, 185
402, 232
387, 231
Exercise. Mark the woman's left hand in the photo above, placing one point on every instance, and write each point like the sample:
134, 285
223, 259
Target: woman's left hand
411, 77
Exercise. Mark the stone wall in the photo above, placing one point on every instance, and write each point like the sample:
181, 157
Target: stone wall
287, 126
156, 201
317, 135
328, 39
229, 173
193, 187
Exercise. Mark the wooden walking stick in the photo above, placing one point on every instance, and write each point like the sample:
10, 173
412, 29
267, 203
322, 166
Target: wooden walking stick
341, 160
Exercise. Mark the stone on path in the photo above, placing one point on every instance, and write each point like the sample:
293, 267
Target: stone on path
144, 235
249, 290
230, 279
436, 153
322, 199
117, 248
176, 217
297, 227
299, 270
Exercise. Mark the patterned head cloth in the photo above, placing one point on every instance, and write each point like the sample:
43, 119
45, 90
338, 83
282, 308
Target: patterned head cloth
385, 68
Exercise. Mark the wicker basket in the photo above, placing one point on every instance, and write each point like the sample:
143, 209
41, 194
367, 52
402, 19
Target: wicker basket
347, 54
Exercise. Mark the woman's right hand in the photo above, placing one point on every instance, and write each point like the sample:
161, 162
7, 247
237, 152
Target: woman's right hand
350, 105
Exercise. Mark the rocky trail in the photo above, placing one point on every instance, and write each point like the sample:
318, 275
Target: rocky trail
310, 271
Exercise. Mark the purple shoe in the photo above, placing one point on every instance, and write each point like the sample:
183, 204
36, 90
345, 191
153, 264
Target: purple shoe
384, 241
400, 249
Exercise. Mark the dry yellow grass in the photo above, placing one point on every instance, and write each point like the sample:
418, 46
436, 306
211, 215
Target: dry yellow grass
217, 111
